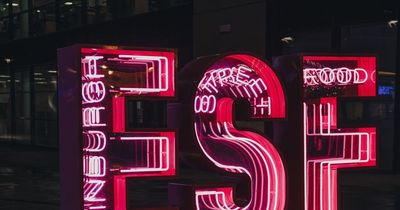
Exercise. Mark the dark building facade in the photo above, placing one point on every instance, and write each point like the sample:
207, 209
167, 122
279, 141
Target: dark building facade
31, 31
29, 72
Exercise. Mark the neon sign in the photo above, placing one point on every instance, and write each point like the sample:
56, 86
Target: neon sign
337, 76
108, 76
99, 152
328, 147
230, 78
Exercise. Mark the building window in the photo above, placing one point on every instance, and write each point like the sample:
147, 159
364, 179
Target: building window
70, 14
45, 105
20, 25
22, 105
43, 19
5, 104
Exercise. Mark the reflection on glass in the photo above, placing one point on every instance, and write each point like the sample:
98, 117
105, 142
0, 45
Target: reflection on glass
5, 116
21, 25
45, 79
5, 83
4, 29
44, 20
316, 40
45, 105
39, 3
46, 132
3, 8
22, 105
19, 5
22, 80
70, 14
23, 131
98, 11
146, 114
5, 104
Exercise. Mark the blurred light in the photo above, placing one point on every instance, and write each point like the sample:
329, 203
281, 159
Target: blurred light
37, 73
38, 11
7, 60
287, 39
4, 76
386, 73
39, 78
110, 72
52, 71
103, 66
393, 23
13, 4
68, 3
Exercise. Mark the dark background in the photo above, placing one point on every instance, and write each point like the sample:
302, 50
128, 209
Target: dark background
32, 30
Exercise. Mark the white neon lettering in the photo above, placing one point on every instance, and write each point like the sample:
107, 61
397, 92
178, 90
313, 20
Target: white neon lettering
89, 65
91, 116
91, 190
338, 76
94, 166
95, 141
93, 92
241, 76
205, 104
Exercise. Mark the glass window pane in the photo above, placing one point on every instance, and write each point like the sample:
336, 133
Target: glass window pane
378, 39
22, 80
19, 5
5, 116
46, 132
99, 11
44, 20
46, 105
70, 14
5, 80
22, 105
23, 131
45, 78
4, 35
316, 40
3, 8
39, 3
21, 25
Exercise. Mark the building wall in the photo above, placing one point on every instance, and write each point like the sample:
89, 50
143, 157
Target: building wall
224, 25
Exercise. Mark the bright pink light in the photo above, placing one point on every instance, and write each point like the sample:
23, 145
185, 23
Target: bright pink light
89, 67
93, 92
91, 117
327, 147
205, 104
91, 191
103, 122
94, 141
94, 166
241, 76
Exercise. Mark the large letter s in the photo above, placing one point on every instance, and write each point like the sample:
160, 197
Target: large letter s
230, 78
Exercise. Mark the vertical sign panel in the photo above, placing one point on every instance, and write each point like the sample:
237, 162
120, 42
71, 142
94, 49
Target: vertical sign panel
110, 151
329, 147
